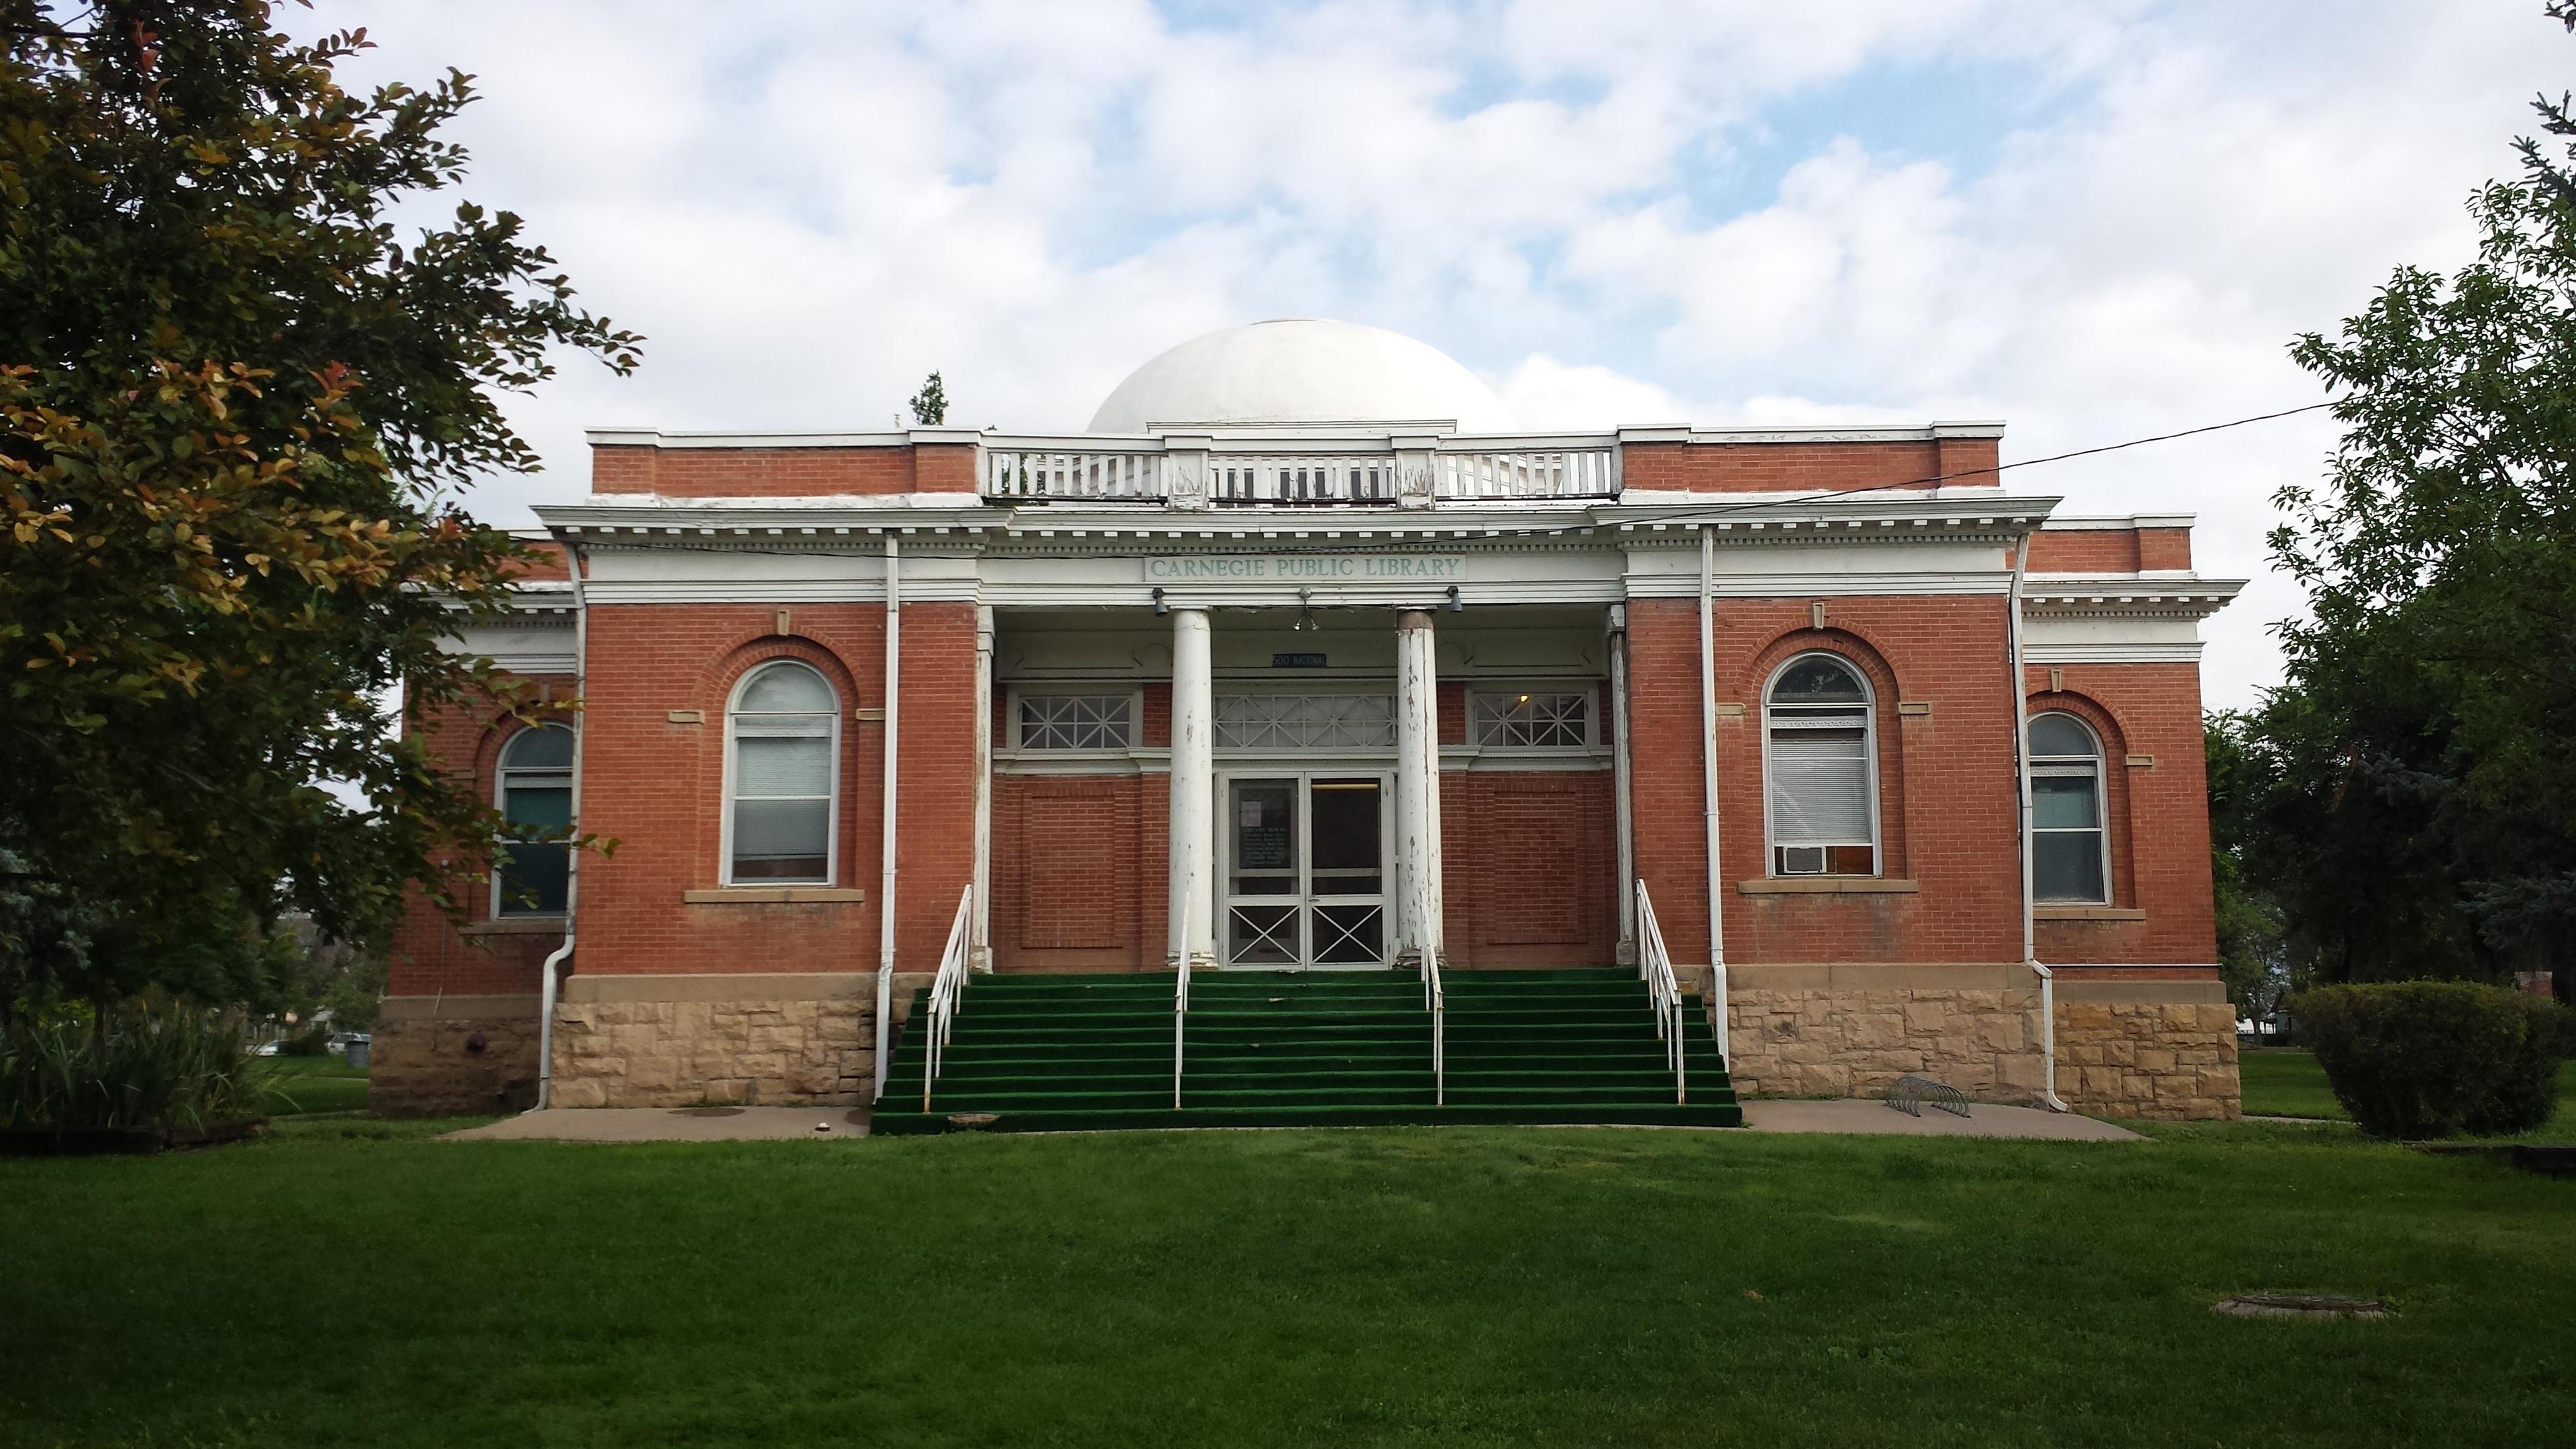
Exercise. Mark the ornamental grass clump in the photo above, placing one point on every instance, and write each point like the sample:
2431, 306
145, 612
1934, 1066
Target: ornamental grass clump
134, 1066
2419, 1059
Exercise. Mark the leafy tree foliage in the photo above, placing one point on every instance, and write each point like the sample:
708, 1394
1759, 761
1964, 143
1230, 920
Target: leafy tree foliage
237, 407
2410, 794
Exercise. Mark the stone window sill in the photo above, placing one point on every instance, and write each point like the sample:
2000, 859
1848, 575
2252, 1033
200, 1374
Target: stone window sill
515, 926
2085, 913
774, 896
1826, 885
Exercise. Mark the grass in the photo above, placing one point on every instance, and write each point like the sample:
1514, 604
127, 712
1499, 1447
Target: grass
304, 1085
351, 1281
2281, 1082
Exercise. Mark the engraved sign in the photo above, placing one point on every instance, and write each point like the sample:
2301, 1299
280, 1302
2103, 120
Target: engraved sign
1294, 567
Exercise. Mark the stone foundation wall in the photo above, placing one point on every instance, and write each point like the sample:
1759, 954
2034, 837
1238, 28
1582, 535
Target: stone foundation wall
2170, 1055
455, 1056
2155, 1049
679, 1041
1849, 1031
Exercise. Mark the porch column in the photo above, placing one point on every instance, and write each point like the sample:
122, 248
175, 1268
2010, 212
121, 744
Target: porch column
1417, 788
1192, 907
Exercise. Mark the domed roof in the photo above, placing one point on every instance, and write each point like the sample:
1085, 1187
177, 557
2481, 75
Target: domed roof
1301, 371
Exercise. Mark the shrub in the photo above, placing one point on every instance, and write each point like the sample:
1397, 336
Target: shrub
134, 1066
2436, 1058
312, 1041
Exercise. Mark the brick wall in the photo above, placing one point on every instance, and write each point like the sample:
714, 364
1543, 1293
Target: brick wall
1804, 467
1946, 787
656, 786
2109, 550
2158, 813
783, 472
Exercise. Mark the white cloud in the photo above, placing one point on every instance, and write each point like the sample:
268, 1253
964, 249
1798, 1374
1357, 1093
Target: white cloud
2096, 221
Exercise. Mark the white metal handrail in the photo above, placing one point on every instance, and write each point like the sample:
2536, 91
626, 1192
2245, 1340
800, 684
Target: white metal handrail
1435, 1001
1663, 992
1180, 1002
947, 993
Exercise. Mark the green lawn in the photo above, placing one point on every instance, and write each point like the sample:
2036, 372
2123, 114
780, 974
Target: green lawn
304, 1085
2281, 1083
350, 1281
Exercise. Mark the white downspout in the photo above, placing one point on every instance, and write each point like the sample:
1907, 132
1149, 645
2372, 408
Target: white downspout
572, 861
1708, 780
1624, 809
885, 868
2029, 920
980, 952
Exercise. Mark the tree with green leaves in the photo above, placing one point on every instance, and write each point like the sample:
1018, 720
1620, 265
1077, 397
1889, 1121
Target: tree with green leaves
930, 405
238, 409
2409, 794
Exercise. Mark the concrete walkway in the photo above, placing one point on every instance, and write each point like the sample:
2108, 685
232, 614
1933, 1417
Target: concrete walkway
669, 1124
778, 1124
1878, 1119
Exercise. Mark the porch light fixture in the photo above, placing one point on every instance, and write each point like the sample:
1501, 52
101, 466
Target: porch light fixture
1160, 608
1454, 605
1306, 611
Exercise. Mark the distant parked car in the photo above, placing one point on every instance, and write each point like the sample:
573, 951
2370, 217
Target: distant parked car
264, 1049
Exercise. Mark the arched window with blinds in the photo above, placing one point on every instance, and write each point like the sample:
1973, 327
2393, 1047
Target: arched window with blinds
1820, 756
782, 777
2070, 851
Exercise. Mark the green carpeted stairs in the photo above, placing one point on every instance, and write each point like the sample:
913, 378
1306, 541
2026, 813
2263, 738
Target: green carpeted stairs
1035, 1053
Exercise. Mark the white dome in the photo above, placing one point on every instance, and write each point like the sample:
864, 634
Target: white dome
1301, 371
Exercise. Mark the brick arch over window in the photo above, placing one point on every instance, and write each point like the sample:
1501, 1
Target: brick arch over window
859, 780
2116, 814
1854, 647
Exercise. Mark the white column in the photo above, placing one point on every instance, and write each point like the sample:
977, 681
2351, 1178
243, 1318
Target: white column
1193, 835
1417, 788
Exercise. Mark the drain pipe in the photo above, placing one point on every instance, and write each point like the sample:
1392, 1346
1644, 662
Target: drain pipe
1621, 783
885, 868
1708, 782
572, 856
2029, 919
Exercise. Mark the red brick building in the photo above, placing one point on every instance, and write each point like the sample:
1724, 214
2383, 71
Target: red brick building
1302, 660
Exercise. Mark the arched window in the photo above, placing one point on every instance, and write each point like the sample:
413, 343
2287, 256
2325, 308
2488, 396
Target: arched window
782, 776
2070, 855
1822, 759
533, 792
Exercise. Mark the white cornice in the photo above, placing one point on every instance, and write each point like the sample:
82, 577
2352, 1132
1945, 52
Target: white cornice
2119, 521
2173, 652
2104, 596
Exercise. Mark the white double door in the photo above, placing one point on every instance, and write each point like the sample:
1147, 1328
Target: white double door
1304, 861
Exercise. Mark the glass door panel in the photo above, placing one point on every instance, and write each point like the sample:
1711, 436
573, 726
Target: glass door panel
1305, 881
1346, 872
1265, 889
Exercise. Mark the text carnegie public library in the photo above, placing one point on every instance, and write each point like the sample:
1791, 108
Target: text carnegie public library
1255, 566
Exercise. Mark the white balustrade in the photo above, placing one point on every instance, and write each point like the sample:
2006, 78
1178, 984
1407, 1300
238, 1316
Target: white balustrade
1124, 476
1362, 469
1517, 473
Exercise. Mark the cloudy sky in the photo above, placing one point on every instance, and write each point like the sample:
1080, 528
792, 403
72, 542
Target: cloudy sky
2095, 220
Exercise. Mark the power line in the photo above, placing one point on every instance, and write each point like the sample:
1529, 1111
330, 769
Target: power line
1939, 478
1682, 518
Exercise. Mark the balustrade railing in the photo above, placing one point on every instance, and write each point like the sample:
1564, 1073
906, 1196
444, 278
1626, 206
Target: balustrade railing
947, 994
1248, 471
1663, 993
1508, 473
1126, 475
1233, 478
